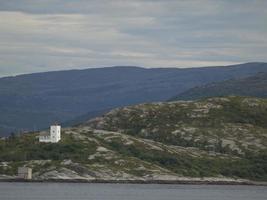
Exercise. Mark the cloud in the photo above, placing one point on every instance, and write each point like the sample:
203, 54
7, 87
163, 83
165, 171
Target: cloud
63, 34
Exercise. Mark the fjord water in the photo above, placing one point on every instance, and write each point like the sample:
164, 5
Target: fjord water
82, 191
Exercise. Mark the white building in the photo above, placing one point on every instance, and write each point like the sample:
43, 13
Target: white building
54, 136
24, 173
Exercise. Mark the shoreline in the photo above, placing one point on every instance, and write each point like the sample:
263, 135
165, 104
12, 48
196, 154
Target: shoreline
174, 182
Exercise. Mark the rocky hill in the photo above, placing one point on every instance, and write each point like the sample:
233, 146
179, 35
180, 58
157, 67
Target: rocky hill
217, 139
34, 101
253, 86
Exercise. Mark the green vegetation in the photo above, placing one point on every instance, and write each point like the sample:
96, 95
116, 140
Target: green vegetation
254, 168
27, 147
18, 150
225, 125
234, 126
209, 138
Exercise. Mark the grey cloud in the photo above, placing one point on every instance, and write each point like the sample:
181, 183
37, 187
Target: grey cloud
63, 34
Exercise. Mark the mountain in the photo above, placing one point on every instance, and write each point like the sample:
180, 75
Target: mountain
34, 101
239, 122
254, 86
217, 139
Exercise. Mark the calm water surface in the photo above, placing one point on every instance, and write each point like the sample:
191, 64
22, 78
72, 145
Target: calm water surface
77, 191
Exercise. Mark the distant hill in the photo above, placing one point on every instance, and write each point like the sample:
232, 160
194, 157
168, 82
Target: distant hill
34, 101
200, 123
217, 139
254, 86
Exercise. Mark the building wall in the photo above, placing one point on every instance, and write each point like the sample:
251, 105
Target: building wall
45, 138
55, 133
25, 173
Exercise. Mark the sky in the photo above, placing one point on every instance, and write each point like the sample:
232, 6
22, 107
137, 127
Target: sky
47, 35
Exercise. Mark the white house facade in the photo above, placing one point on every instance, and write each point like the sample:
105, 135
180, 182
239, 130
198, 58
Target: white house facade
53, 137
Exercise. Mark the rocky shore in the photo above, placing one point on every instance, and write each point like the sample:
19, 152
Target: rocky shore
184, 180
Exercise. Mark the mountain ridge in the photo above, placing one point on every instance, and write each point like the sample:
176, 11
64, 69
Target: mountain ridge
32, 102
129, 67
254, 86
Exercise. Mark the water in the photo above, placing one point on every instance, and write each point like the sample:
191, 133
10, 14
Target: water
81, 191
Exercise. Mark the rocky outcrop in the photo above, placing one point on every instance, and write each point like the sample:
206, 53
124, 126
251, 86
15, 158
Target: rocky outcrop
215, 140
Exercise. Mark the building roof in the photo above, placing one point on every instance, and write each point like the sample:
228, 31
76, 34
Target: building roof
44, 134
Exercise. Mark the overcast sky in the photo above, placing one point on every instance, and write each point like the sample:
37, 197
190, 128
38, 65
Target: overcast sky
45, 35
